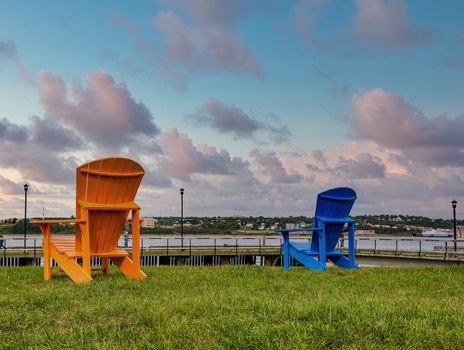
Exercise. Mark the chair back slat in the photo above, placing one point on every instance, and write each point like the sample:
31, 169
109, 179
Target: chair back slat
106, 220
95, 183
335, 203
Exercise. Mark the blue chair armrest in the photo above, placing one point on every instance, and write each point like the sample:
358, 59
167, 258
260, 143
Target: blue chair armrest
288, 230
334, 220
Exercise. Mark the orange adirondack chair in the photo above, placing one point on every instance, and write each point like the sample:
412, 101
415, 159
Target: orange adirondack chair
105, 192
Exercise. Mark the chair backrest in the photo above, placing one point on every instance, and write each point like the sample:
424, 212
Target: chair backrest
106, 181
335, 203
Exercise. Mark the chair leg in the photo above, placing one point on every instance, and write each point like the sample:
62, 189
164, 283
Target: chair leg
70, 266
306, 259
45, 228
286, 258
322, 251
340, 261
105, 265
351, 247
128, 267
136, 239
86, 263
47, 268
285, 251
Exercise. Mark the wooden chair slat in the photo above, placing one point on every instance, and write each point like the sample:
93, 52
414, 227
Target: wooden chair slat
110, 174
114, 198
107, 167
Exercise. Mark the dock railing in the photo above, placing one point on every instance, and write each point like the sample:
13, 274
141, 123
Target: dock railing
418, 247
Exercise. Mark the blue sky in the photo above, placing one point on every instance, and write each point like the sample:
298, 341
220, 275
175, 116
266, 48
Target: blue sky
254, 105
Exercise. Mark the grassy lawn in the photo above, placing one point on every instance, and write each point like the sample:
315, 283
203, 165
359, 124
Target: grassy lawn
236, 307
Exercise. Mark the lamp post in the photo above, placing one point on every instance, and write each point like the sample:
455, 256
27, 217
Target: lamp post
453, 203
182, 217
26, 187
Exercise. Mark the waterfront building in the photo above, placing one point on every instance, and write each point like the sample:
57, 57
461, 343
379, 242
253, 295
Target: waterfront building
149, 222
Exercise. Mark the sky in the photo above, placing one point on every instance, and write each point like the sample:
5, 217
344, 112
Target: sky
252, 106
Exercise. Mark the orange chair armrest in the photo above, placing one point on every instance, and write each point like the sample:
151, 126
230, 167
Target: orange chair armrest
103, 206
130, 220
57, 221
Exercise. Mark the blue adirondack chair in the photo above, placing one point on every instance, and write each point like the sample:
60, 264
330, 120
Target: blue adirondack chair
332, 209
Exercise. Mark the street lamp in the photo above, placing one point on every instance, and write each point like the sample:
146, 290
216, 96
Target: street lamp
182, 217
26, 187
453, 203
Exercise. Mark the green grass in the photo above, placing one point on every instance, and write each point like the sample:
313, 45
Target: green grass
236, 307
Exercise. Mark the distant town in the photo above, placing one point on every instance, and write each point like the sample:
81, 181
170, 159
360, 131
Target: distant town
395, 225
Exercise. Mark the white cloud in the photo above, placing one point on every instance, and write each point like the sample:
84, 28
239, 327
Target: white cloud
391, 122
104, 112
383, 23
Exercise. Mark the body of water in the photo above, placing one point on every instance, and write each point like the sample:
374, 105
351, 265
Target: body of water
373, 242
